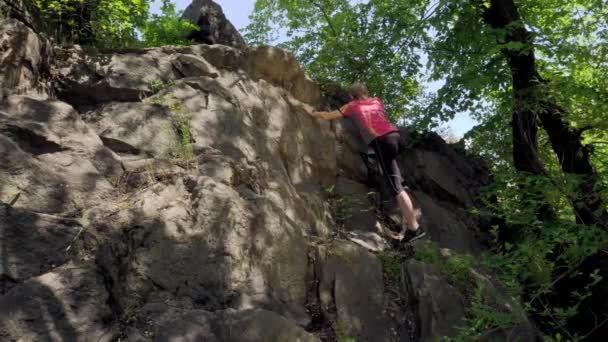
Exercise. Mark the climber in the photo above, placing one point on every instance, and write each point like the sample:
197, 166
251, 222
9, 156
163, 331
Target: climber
368, 115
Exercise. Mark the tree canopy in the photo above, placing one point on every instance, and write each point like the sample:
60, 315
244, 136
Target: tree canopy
114, 23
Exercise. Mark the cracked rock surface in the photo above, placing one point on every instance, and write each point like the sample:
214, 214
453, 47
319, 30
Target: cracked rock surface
181, 194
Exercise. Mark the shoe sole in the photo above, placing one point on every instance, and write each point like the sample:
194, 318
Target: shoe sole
417, 237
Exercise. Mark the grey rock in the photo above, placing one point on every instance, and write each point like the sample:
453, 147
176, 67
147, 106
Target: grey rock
356, 206
232, 326
125, 77
32, 244
280, 68
134, 128
214, 27
346, 269
260, 261
54, 121
222, 57
444, 226
439, 170
439, 307
350, 147
50, 183
24, 60
67, 304
373, 242
129, 75
51, 157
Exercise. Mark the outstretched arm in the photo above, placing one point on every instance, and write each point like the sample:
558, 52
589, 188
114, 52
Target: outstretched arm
336, 114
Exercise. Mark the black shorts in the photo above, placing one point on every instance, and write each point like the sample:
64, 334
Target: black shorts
387, 148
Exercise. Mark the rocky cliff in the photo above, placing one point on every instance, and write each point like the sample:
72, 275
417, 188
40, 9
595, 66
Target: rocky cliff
183, 194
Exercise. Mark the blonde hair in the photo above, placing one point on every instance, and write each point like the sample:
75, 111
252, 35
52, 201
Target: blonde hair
358, 89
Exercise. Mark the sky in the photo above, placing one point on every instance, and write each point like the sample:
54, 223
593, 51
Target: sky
237, 11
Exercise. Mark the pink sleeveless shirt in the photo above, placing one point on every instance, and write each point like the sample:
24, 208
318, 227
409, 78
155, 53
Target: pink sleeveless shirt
370, 118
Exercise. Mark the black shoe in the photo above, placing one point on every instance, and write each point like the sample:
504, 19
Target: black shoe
418, 234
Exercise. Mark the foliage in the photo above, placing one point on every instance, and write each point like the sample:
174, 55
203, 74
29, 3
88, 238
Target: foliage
346, 41
343, 206
340, 331
167, 28
484, 317
391, 264
484, 312
158, 85
151, 174
533, 256
180, 150
114, 23
456, 267
104, 23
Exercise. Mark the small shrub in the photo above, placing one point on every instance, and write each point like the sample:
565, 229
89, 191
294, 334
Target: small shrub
180, 150
343, 207
158, 85
340, 330
131, 311
150, 170
484, 317
108, 23
168, 28
456, 268
182, 153
391, 264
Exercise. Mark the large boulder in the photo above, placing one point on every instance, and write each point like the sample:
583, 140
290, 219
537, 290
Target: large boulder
214, 27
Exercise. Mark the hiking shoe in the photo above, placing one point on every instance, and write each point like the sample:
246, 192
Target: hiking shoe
418, 234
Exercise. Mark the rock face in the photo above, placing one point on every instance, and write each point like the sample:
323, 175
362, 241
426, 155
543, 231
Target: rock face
440, 306
214, 27
24, 59
65, 304
181, 194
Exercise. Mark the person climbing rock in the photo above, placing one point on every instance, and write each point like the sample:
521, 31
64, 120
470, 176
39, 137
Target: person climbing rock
368, 115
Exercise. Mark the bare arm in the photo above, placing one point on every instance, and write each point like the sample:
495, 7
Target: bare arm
336, 114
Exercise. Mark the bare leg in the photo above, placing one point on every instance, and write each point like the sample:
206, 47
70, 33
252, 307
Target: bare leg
408, 213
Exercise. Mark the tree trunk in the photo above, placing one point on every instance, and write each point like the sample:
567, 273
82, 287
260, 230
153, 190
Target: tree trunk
531, 100
574, 158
